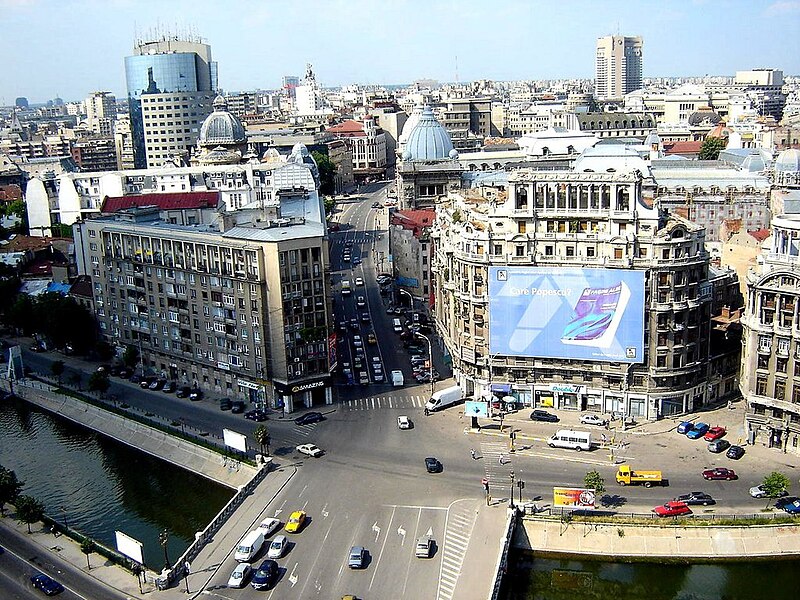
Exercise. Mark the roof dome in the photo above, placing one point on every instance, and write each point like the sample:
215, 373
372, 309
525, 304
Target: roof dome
788, 161
428, 140
704, 117
221, 127
410, 123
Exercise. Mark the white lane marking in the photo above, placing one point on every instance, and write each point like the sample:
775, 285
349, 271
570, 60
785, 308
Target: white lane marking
377, 531
429, 532
390, 402
303, 490
293, 576
324, 511
416, 506
408, 568
380, 554
402, 533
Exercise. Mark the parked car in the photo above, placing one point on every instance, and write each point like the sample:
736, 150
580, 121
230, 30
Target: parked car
237, 407
699, 430
169, 387
718, 446
157, 384
224, 404
355, 558
714, 434
758, 491
265, 576
591, 419
309, 418
693, 498
46, 584
257, 415
432, 465
195, 394
310, 450
685, 427
793, 508
720, 473
543, 415
295, 522
735, 452
144, 382
240, 575
183, 392
786, 500
672, 509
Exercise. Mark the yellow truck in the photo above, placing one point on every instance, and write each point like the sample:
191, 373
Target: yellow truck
627, 476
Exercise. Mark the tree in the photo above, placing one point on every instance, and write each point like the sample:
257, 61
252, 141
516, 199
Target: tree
131, 356
29, 510
98, 382
87, 547
57, 369
595, 481
261, 435
75, 379
10, 487
327, 172
104, 350
775, 484
711, 148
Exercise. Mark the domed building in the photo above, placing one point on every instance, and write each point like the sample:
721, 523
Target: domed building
222, 140
429, 165
787, 168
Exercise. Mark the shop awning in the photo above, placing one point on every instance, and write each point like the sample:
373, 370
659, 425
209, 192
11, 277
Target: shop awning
501, 388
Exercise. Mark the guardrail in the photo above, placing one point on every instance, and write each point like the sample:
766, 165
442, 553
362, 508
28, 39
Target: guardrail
550, 513
502, 559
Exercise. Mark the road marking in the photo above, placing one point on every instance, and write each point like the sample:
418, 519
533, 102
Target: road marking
324, 511
303, 490
429, 532
416, 507
380, 554
293, 576
377, 531
402, 533
390, 402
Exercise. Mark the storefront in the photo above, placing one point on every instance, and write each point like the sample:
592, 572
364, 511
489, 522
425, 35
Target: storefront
570, 397
254, 393
292, 396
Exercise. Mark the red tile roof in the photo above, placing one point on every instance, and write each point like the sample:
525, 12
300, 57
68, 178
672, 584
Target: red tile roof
760, 234
685, 147
347, 128
171, 201
413, 218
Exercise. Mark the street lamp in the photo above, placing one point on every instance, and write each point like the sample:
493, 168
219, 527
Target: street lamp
410, 297
511, 500
163, 538
430, 355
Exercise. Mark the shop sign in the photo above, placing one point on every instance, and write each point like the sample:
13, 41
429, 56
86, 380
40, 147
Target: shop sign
566, 388
249, 385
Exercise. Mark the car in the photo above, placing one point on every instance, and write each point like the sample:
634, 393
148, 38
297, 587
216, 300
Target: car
432, 465
714, 434
237, 407
183, 392
354, 324
125, 372
342, 327
257, 415
224, 404
46, 584
240, 575
365, 317
144, 382
358, 362
718, 446
357, 341
693, 498
371, 339
698, 431
169, 387
265, 576
423, 547
685, 427
278, 546
195, 394
377, 376
295, 522
376, 205
793, 508
383, 279
309, 418
403, 422
672, 509
359, 281
720, 473
269, 526
758, 491
543, 415
357, 260
157, 384
735, 452
310, 450
593, 420
361, 302
782, 502
333, 227
356, 556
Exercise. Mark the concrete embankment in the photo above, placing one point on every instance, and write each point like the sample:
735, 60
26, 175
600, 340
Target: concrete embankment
657, 542
148, 439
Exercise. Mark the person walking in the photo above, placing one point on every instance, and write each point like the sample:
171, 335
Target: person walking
472, 452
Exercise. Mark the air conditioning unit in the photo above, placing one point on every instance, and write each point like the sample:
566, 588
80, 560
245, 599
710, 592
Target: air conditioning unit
297, 360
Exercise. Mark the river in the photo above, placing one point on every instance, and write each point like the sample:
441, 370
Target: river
97, 485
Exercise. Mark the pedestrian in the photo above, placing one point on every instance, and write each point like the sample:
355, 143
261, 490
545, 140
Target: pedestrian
472, 452
730, 404
502, 460
427, 412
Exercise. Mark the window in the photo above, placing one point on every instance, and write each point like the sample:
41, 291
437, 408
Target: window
521, 226
761, 386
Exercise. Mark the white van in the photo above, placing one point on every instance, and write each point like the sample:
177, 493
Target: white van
444, 398
250, 545
573, 440
397, 325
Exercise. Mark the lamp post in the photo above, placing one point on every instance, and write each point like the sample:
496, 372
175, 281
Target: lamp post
410, 297
430, 356
511, 500
163, 538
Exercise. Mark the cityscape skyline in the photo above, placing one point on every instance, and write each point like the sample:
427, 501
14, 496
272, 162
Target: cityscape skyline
443, 41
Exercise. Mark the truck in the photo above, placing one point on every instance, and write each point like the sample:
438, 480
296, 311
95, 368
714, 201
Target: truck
397, 378
346, 289
627, 476
444, 398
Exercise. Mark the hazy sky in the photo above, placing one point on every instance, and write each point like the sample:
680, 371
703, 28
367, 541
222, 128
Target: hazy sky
69, 48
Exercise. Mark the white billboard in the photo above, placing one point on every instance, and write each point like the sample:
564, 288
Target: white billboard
129, 547
234, 440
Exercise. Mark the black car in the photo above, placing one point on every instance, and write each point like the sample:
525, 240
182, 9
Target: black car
46, 584
224, 404
169, 387
237, 407
694, 498
432, 465
145, 382
735, 452
309, 418
195, 394
256, 415
543, 415
265, 576
183, 392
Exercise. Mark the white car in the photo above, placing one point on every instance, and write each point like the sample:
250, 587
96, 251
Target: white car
403, 422
759, 492
593, 420
278, 546
239, 576
310, 450
359, 281
357, 341
269, 526
361, 302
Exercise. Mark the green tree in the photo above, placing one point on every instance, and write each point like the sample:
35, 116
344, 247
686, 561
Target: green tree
327, 172
61, 230
10, 487
711, 148
87, 547
99, 382
21, 316
57, 369
131, 356
261, 435
63, 321
595, 481
29, 510
104, 350
329, 202
775, 484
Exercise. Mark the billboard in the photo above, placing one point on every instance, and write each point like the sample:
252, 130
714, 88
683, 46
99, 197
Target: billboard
130, 547
476, 409
568, 313
234, 440
573, 497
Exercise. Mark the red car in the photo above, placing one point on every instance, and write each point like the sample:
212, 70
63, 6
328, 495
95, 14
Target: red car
672, 509
720, 473
714, 434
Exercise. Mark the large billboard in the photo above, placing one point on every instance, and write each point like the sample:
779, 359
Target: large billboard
569, 313
573, 497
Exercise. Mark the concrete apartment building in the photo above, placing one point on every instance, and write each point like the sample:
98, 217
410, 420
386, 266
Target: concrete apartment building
101, 112
618, 66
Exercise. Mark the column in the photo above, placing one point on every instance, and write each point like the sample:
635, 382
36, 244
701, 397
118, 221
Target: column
307, 401
328, 395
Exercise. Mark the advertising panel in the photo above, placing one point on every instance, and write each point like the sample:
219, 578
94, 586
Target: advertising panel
333, 359
130, 547
573, 497
476, 409
234, 440
569, 313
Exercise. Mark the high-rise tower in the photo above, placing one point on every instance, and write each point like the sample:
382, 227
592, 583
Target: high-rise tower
618, 66
172, 83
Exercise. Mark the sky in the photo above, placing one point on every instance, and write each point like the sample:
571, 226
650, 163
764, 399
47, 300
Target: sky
68, 49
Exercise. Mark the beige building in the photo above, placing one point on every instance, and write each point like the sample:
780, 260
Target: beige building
618, 66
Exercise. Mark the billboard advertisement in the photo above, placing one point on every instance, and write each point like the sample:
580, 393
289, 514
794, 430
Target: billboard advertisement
130, 547
234, 440
568, 313
573, 497
476, 409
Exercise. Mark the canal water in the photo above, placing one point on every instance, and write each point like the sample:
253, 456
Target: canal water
97, 485
543, 579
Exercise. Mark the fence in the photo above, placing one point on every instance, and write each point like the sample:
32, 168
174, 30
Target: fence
502, 559
618, 517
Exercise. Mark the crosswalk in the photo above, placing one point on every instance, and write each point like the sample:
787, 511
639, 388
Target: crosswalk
384, 402
362, 239
460, 522
496, 473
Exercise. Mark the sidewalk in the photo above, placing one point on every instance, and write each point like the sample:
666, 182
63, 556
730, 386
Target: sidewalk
478, 569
